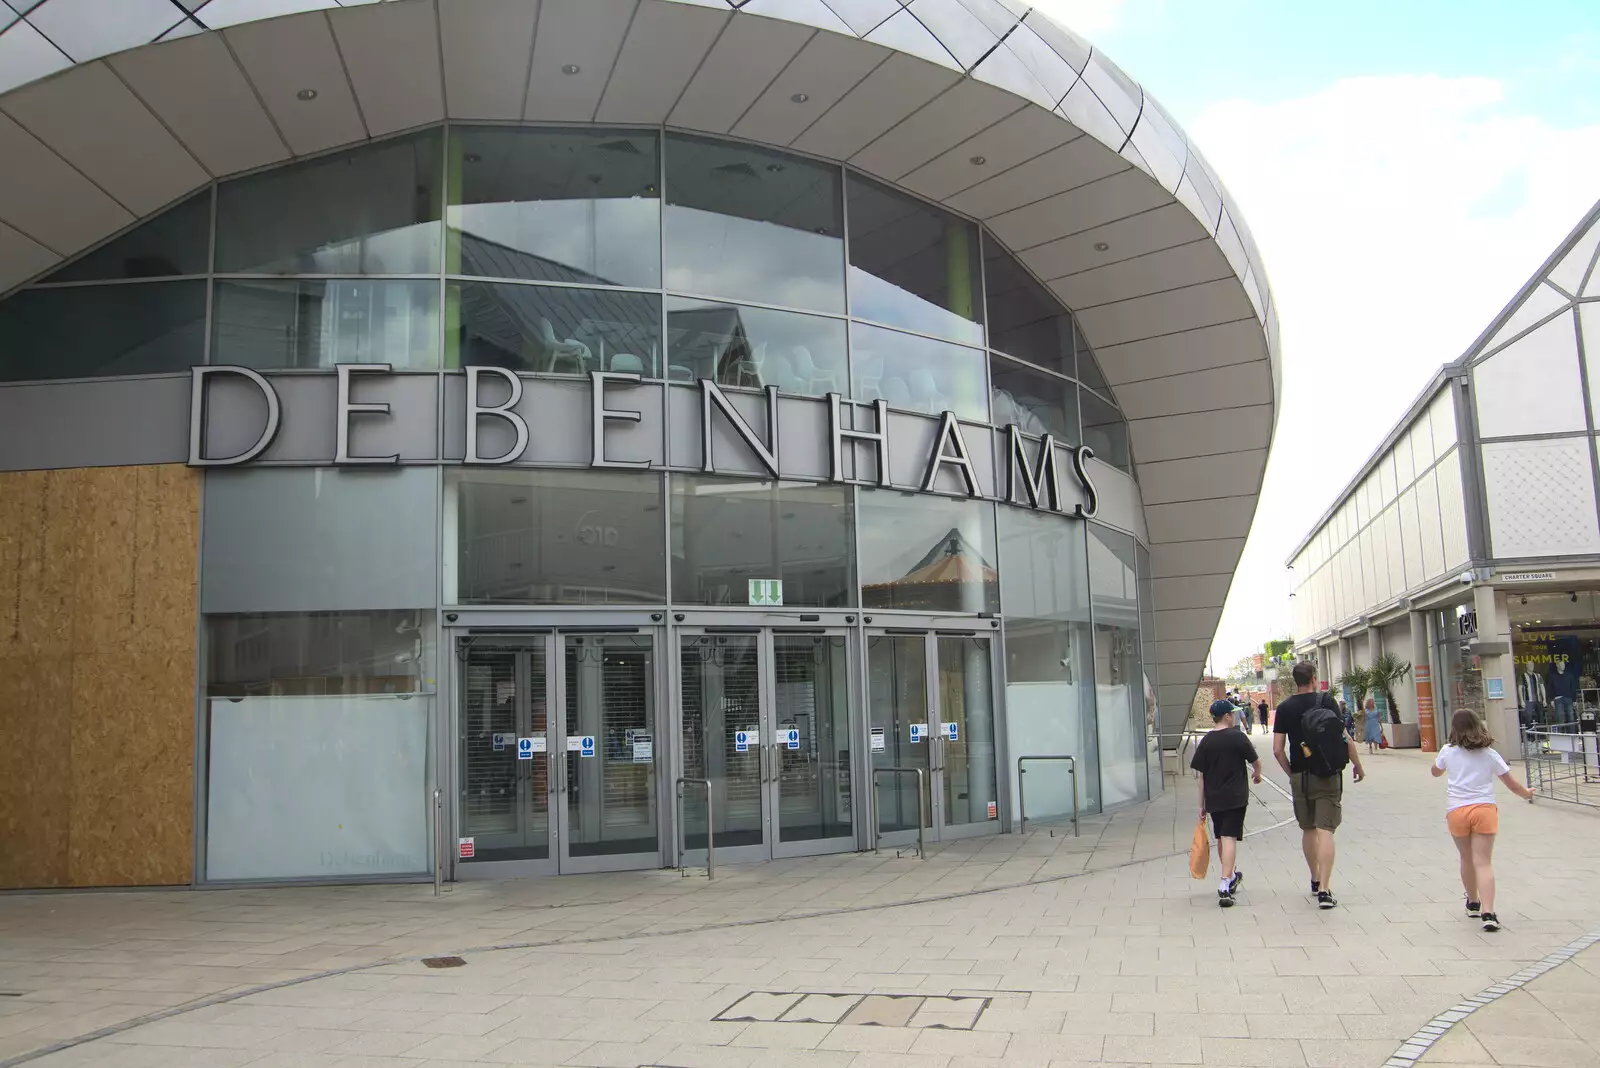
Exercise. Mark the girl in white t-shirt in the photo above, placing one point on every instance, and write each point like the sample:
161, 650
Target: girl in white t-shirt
1471, 812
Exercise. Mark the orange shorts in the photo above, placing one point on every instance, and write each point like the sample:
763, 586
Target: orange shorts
1473, 819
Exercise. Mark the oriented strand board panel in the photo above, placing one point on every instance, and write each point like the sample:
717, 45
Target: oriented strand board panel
98, 571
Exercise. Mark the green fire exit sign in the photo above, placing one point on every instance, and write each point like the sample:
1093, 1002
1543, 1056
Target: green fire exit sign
766, 591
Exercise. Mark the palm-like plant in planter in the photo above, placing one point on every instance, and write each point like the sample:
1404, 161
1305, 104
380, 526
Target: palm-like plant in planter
1358, 680
1386, 672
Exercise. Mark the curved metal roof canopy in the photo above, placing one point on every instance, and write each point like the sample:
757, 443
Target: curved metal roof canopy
984, 106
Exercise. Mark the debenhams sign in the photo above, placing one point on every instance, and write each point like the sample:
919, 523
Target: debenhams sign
1032, 480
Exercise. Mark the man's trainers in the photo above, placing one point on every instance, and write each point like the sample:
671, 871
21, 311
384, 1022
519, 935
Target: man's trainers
1233, 886
1325, 900
1225, 899
1491, 922
1473, 908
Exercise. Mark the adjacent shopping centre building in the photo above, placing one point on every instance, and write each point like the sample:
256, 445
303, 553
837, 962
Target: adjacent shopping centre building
1469, 545
486, 430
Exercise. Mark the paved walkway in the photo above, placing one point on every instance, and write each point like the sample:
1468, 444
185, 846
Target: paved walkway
1551, 1020
1042, 949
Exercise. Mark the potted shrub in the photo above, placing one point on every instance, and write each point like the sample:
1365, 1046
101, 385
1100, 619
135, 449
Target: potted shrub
1357, 680
1388, 671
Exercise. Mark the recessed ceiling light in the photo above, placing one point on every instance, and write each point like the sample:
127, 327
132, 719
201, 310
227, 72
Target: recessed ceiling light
774, 168
1101, 246
800, 98
307, 94
473, 157
571, 68
978, 161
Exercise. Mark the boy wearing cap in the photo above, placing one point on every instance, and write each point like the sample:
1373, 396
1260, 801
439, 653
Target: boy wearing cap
1220, 760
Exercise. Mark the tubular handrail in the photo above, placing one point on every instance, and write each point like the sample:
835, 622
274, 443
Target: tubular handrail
1022, 790
438, 834
683, 831
922, 804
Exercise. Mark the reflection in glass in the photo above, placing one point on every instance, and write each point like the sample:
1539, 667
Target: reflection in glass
558, 537
755, 347
553, 329
176, 242
1118, 672
727, 532
749, 224
373, 210
610, 697
721, 695
1088, 367
1025, 318
1036, 402
811, 694
505, 801
917, 374
966, 701
912, 265
927, 554
1105, 432
311, 323
309, 653
897, 698
1049, 655
555, 205
93, 331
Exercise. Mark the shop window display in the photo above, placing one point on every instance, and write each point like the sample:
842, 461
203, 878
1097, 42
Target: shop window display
1555, 644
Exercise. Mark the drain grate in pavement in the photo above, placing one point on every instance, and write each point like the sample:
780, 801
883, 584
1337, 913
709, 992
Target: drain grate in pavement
443, 962
951, 1013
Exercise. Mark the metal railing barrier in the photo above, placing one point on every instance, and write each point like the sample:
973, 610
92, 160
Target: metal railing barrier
922, 805
438, 836
683, 830
1022, 790
1562, 762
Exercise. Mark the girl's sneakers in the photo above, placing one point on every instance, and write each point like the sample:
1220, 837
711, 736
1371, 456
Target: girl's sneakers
1473, 908
1491, 922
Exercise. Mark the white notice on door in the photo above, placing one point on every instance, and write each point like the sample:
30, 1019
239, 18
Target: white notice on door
643, 751
574, 745
879, 742
538, 741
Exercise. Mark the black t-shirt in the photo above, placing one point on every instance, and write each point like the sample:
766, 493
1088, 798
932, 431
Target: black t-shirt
1287, 721
1221, 757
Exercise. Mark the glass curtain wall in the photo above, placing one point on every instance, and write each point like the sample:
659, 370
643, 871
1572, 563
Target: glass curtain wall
1120, 709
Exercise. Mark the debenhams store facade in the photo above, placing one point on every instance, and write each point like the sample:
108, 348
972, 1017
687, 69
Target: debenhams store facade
437, 429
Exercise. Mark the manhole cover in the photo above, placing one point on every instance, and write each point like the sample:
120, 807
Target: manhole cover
443, 962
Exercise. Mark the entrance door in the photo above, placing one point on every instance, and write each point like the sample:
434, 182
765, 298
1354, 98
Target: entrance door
570, 792
930, 696
766, 719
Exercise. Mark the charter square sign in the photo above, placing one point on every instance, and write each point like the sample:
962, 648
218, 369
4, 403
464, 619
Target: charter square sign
370, 415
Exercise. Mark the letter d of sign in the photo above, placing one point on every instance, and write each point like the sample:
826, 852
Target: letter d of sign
198, 395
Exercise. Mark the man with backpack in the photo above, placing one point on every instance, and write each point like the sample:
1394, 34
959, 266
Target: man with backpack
1310, 744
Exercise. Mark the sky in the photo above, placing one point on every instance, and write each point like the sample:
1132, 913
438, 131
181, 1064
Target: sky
1405, 166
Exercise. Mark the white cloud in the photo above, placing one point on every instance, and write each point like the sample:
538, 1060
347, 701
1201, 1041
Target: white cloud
1086, 17
1397, 216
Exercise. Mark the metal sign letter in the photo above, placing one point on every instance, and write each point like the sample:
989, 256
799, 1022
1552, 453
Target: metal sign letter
197, 415
880, 441
347, 408
1045, 479
711, 395
949, 447
503, 411
602, 414
1080, 466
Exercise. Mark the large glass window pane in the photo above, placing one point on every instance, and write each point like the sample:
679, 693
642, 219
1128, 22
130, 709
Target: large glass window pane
1118, 674
1089, 372
927, 554
912, 265
1025, 318
727, 532
555, 205
917, 374
176, 242
755, 347
374, 210
317, 737
553, 329
1531, 386
1050, 667
1036, 402
753, 225
316, 323
556, 537
1105, 432
92, 331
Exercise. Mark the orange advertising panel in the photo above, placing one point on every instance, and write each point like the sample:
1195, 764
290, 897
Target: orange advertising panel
1423, 675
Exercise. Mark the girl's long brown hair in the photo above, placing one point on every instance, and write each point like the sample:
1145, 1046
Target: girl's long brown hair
1468, 732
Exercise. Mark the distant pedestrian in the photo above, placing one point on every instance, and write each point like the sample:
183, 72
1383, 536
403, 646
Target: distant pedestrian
1262, 709
1348, 719
1242, 713
1372, 730
1219, 761
1470, 809
1310, 744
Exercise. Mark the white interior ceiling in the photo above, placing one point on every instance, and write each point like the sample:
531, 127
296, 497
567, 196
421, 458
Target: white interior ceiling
982, 105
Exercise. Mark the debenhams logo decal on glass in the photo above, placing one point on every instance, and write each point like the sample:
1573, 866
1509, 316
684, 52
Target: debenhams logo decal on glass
1032, 464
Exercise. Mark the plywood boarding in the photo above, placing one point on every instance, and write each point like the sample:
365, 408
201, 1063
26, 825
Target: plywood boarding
97, 629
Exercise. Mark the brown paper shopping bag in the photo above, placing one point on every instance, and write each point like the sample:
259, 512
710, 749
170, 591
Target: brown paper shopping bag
1200, 851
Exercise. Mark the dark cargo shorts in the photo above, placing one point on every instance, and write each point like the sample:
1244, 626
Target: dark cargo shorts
1317, 800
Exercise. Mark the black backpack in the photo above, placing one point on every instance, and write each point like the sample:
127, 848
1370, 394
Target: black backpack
1322, 740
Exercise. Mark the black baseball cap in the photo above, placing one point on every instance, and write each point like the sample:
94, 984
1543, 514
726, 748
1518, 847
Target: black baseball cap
1222, 708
